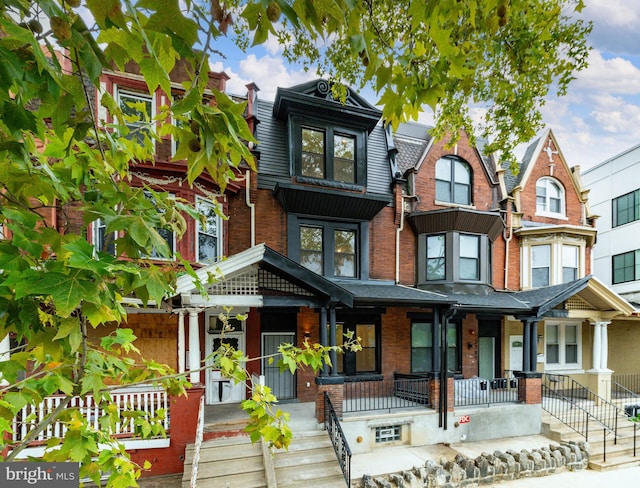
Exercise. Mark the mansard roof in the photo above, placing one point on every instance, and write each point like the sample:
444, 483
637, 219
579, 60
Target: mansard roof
315, 99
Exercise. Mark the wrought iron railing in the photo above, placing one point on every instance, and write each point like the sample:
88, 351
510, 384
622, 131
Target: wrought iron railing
404, 391
480, 391
579, 408
625, 387
338, 439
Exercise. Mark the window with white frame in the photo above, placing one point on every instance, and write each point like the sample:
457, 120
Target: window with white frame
138, 109
103, 241
552, 261
563, 346
166, 234
208, 229
570, 263
549, 198
540, 265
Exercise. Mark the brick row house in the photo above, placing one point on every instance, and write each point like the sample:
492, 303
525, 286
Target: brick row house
461, 278
448, 265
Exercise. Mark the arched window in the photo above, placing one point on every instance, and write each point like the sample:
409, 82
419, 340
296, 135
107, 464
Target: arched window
549, 197
453, 181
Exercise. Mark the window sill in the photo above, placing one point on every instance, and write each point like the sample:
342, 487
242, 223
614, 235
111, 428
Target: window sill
552, 215
328, 183
451, 204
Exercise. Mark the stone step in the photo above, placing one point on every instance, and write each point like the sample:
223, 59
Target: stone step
311, 440
300, 458
244, 480
212, 451
306, 475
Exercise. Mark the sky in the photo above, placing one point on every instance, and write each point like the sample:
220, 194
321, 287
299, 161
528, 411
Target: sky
597, 119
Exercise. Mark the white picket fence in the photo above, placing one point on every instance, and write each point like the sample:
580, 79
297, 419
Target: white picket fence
148, 400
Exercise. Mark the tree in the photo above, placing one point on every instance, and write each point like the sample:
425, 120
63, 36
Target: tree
56, 156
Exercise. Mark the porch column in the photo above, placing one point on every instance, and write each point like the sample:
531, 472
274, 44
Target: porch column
181, 342
600, 346
332, 341
599, 376
323, 337
194, 347
533, 345
530, 344
526, 349
5, 353
437, 330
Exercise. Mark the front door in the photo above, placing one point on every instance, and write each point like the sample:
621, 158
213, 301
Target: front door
486, 357
219, 389
282, 384
515, 353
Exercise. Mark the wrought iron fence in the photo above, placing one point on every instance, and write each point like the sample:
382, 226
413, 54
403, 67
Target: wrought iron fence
404, 391
624, 386
480, 391
338, 439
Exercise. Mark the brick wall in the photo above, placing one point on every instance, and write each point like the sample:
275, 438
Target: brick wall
184, 420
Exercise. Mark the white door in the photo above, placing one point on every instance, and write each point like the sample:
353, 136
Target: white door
219, 389
515, 352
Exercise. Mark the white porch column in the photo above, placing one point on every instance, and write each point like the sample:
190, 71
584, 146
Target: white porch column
600, 354
194, 347
5, 347
604, 340
181, 343
596, 351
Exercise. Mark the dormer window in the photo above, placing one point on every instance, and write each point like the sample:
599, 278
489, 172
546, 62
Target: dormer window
453, 181
328, 154
549, 198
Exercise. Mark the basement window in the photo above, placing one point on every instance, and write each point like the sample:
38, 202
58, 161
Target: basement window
388, 433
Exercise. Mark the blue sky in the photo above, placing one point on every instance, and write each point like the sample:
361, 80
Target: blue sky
597, 119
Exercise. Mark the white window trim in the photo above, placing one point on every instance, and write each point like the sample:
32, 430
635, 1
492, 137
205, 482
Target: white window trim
173, 235
556, 243
118, 90
95, 234
563, 203
562, 365
218, 234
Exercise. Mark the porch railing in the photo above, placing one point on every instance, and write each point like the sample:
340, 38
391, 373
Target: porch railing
404, 391
149, 400
578, 407
338, 439
626, 387
480, 391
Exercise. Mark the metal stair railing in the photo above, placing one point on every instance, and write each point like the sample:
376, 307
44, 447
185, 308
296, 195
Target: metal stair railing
575, 405
338, 439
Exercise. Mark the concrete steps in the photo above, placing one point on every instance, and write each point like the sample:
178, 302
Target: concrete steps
235, 462
310, 461
618, 454
227, 463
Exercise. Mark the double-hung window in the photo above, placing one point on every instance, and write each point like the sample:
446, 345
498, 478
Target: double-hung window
421, 347
562, 345
103, 241
329, 249
166, 234
626, 267
138, 110
549, 198
208, 229
328, 153
540, 265
436, 257
469, 257
626, 208
453, 181
570, 256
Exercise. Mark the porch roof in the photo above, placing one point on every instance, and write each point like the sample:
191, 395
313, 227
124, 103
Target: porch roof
389, 293
590, 289
247, 278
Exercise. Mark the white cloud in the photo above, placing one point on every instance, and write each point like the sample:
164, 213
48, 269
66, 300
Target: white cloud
269, 73
616, 75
